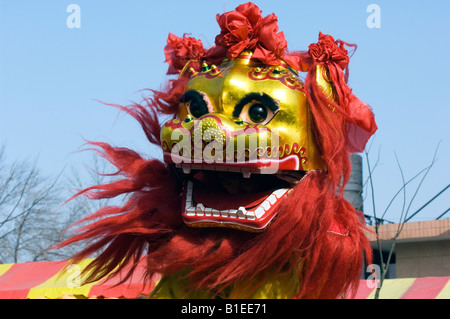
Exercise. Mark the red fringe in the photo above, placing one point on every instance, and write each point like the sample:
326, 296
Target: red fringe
216, 259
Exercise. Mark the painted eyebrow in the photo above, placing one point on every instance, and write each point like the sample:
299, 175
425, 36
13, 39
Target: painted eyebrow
263, 98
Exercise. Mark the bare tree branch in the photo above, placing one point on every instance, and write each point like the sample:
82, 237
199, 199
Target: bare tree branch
28, 202
384, 266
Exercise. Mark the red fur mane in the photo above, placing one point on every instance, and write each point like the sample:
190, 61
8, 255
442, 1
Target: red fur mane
149, 224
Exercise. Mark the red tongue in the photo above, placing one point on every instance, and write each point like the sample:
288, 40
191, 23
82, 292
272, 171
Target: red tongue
220, 200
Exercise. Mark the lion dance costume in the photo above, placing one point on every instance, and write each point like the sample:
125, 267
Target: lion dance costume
248, 202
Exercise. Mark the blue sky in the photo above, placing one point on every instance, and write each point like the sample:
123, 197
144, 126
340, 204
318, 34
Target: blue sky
51, 77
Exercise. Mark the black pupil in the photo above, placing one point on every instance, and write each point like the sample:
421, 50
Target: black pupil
257, 113
198, 108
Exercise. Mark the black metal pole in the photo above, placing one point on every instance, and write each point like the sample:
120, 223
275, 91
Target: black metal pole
441, 215
426, 204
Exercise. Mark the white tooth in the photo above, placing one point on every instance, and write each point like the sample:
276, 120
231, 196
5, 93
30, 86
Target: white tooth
232, 213
208, 211
251, 215
190, 211
272, 199
189, 189
279, 192
186, 169
241, 212
246, 173
188, 201
266, 205
259, 212
224, 213
215, 212
200, 209
189, 194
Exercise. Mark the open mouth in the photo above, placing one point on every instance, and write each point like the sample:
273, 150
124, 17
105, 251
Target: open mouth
215, 197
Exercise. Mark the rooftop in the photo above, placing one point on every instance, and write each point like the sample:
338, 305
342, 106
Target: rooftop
413, 231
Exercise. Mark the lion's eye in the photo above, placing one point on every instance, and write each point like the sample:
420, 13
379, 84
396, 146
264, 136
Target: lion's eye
197, 108
256, 108
196, 103
257, 113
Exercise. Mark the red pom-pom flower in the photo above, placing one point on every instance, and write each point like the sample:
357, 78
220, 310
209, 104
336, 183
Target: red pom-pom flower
238, 29
328, 50
246, 29
180, 51
241, 29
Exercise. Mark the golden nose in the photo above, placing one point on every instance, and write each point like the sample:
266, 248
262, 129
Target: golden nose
209, 123
207, 131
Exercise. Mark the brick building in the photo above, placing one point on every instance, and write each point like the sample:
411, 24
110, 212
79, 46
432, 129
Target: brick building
421, 250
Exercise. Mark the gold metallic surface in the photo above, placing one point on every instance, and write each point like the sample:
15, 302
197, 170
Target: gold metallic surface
324, 82
224, 86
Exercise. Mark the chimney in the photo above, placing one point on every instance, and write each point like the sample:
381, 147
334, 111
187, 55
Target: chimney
353, 189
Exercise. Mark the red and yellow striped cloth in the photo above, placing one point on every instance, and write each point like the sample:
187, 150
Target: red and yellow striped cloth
407, 288
48, 280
